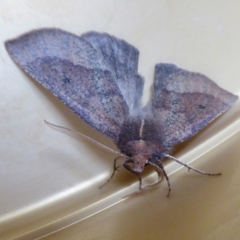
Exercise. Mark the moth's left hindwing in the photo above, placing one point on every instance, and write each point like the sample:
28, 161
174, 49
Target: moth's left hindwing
83, 72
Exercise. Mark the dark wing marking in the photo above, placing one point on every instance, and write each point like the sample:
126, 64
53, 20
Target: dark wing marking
74, 71
122, 60
185, 102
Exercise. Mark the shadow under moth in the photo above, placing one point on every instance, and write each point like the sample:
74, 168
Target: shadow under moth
96, 76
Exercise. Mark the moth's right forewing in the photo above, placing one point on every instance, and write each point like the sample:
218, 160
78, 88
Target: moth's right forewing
74, 71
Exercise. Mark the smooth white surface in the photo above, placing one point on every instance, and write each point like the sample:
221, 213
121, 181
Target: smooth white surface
200, 207
43, 172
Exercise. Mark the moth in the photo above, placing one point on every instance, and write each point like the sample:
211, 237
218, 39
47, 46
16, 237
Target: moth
96, 75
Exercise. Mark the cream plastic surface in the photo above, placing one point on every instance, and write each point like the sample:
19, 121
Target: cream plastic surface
49, 181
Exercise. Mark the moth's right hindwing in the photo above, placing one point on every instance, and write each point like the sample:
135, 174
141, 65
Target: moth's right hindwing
121, 59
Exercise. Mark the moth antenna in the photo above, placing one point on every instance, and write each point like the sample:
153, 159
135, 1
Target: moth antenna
68, 130
192, 168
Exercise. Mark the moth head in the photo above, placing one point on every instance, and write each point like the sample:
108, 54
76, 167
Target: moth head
139, 162
140, 154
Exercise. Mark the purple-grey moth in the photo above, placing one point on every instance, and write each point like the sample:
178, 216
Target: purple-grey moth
96, 76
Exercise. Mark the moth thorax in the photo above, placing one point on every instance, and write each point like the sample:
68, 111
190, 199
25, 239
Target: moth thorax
140, 153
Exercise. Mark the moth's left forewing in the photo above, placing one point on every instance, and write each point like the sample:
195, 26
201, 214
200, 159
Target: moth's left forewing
185, 102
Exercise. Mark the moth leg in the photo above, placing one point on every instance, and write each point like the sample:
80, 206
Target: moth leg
159, 172
192, 168
125, 164
166, 176
115, 168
